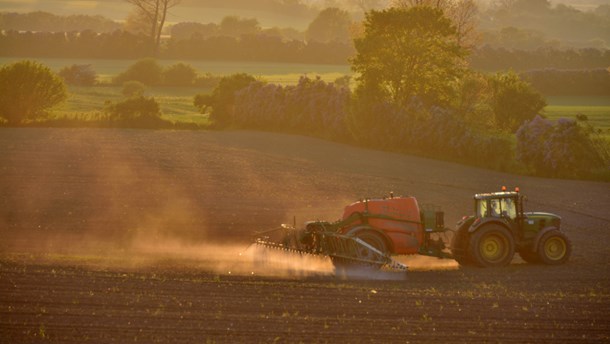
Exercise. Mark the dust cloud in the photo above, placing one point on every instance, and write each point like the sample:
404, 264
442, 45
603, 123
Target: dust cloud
425, 263
224, 259
134, 199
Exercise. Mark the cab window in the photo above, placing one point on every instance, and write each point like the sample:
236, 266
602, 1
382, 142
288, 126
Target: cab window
496, 208
508, 208
482, 208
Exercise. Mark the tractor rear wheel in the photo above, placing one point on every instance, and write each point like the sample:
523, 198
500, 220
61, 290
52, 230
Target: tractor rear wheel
492, 246
554, 248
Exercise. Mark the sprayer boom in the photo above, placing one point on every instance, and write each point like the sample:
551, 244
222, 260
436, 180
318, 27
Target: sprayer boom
343, 250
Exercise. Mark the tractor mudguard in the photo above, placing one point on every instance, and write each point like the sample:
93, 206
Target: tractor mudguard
481, 222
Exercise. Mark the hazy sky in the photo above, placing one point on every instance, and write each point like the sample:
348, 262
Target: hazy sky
188, 10
204, 11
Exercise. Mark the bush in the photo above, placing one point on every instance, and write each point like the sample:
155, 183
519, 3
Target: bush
136, 109
133, 89
27, 90
563, 148
207, 81
146, 71
79, 75
179, 74
221, 101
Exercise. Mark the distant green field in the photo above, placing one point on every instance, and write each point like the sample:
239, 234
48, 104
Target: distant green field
176, 102
597, 109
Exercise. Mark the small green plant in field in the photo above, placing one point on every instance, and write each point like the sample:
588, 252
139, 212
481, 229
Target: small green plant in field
42, 332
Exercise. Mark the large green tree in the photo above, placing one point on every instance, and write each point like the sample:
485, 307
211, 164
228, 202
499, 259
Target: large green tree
221, 102
332, 24
513, 101
27, 90
409, 54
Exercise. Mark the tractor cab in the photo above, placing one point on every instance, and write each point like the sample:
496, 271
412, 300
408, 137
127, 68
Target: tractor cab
504, 205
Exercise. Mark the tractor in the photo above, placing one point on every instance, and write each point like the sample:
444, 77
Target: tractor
500, 227
371, 231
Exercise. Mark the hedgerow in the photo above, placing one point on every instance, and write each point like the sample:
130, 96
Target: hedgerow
312, 106
432, 132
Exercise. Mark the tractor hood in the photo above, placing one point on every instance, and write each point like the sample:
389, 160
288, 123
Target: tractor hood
543, 219
540, 214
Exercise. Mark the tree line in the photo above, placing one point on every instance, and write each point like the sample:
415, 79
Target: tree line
125, 45
557, 82
266, 48
48, 22
488, 58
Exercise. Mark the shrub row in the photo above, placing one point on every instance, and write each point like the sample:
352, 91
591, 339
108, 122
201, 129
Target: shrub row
432, 132
316, 108
311, 107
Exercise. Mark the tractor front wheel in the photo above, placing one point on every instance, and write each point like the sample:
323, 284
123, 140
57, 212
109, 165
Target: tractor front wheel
491, 246
554, 248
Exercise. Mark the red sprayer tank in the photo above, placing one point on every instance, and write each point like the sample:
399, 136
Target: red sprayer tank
399, 218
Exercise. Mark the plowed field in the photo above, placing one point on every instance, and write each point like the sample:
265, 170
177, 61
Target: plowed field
134, 236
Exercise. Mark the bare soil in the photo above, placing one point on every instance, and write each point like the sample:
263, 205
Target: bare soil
135, 235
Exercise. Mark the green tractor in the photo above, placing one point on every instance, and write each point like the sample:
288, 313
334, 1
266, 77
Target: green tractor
500, 227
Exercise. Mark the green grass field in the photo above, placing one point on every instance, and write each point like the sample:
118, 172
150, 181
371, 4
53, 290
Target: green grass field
597, 110
176, 102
